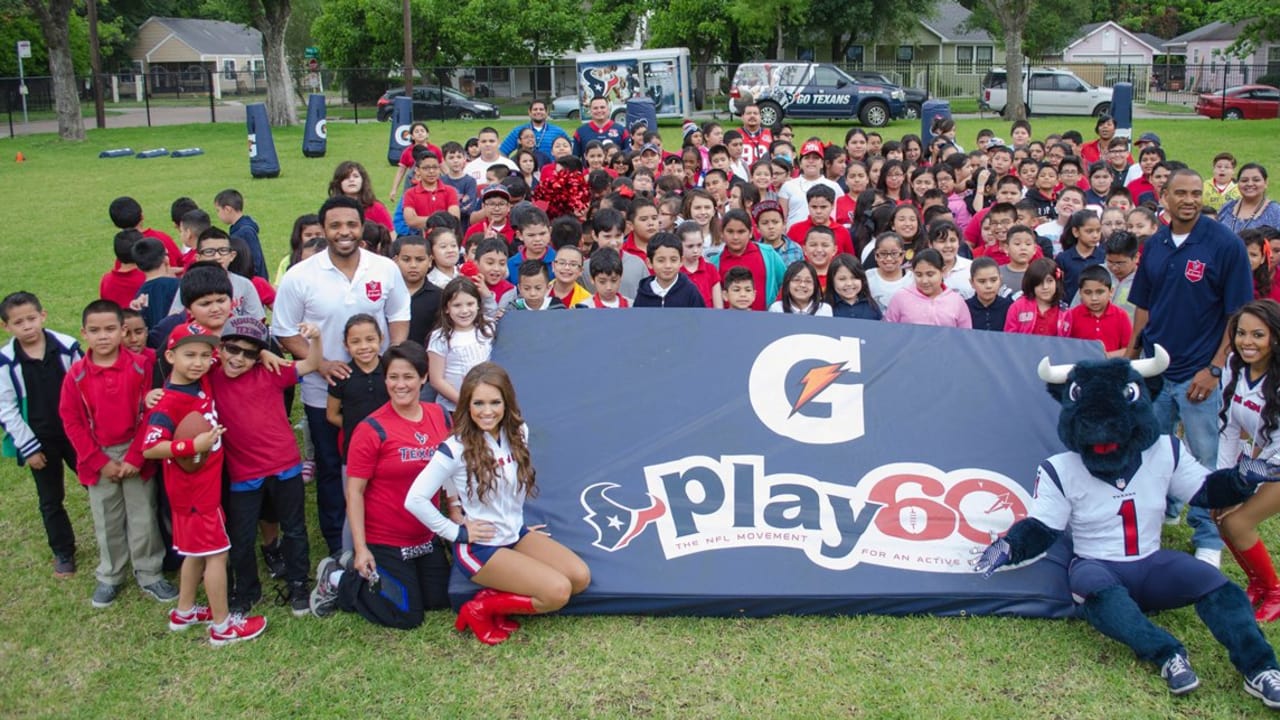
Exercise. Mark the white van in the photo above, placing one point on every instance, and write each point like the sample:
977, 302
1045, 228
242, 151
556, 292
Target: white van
662, 75
1048, 91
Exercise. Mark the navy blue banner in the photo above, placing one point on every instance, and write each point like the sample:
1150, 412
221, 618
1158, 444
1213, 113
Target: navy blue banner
725, 463
263, 161
315, 138
401, 121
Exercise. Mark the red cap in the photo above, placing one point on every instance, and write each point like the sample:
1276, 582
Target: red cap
188, 333
812, 147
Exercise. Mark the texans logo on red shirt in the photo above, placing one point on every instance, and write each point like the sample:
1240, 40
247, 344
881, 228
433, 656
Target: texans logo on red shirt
422, 439
1195, 270
373, 290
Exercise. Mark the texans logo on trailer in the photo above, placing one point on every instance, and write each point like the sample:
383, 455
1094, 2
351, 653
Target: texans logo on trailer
373, 290
1195, 270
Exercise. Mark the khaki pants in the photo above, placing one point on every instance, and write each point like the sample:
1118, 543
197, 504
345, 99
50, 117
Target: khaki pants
124, 521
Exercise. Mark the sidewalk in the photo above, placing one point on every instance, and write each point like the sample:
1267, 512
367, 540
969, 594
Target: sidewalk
230, 112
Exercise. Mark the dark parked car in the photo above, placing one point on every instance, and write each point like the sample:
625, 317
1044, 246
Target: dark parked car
432, 102
915, 97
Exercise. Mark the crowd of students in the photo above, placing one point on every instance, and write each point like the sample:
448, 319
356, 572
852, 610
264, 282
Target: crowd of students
386, 309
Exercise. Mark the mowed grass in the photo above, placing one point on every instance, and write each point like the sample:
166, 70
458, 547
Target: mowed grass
61, 658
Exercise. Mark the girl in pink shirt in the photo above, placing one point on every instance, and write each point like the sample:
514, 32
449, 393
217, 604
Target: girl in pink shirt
929, 301
1040, 310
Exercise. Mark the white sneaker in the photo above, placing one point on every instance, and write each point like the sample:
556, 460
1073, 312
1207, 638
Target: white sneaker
1208, 555
1172, 520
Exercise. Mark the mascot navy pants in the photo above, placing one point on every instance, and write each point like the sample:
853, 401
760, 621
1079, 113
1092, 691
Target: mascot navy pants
1163, 580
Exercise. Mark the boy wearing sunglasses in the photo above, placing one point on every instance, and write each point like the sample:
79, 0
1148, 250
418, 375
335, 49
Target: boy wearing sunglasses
262, 457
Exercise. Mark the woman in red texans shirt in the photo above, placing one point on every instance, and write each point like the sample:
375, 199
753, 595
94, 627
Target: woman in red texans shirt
398, 569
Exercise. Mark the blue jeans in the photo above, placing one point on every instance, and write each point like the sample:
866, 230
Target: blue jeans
331, 503
1200, 431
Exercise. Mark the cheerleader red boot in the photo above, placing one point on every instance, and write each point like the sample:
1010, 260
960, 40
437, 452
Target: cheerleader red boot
1260, 562
1255, 590
474, 615
503, 622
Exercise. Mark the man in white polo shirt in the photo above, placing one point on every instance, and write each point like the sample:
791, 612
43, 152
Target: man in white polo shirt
325, 290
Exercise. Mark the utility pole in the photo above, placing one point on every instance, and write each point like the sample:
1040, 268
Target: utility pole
95, 64
408, 48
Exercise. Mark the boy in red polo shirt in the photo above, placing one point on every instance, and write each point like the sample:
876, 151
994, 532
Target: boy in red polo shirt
822, 202
1096, 318
101, 409
429, 195
199, 526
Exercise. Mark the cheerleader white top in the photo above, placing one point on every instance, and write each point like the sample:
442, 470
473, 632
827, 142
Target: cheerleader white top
504, 507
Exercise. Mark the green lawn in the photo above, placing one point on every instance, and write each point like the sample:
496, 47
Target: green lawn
60, 658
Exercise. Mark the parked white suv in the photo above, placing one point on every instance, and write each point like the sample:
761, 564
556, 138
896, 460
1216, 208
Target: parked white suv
1048, 91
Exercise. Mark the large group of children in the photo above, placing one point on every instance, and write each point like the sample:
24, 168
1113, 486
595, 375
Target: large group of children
1039, 236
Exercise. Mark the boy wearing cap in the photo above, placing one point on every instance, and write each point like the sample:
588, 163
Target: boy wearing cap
796, 190
199, 526
495, 204
101, 409
262, 459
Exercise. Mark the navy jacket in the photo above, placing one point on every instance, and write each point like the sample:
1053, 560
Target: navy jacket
684, 294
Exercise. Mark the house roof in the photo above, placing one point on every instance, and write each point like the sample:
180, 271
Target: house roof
1216, 30
213, 37
1156, 44
950, 24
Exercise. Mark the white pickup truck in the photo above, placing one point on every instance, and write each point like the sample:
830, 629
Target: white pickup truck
1048, 91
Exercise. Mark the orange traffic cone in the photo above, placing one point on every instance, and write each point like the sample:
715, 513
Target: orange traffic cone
20, 158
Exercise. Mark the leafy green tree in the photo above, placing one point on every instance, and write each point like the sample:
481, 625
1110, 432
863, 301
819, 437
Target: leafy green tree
703, 26
612, 23
1049, 27
844, 23
1261, 18
522, 32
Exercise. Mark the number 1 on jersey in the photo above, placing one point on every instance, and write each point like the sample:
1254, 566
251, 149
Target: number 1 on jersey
1129, 519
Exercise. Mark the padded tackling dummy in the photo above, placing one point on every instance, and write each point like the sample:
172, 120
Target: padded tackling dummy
315, 138
401, 119
263, 161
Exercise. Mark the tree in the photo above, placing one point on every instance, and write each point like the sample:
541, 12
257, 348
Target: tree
1012, 16
1261, 18
780, 20
54, 17
844, 23
700, 25
1057, 23
271, 18
522, 32
612, 23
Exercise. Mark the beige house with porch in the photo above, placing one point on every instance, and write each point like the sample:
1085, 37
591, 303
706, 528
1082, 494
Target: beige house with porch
178, 55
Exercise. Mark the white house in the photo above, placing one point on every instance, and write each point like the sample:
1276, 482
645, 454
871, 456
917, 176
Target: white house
185, 54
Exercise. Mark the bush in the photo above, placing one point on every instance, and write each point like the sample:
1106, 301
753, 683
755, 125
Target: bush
1272, 79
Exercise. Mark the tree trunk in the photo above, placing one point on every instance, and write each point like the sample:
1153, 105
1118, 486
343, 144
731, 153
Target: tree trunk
700, 94
271, 18
1014, 108
54, 17
1013, 16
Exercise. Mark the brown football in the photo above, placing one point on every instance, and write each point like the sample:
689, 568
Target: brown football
192, 425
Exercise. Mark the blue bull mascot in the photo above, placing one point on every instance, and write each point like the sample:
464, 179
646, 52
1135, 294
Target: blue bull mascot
1109, 491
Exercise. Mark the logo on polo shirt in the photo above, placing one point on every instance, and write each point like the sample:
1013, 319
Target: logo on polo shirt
373, 290
1195, 270
799, 389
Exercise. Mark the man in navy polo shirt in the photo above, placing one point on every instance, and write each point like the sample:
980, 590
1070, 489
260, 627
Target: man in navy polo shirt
1193, 275
544, 132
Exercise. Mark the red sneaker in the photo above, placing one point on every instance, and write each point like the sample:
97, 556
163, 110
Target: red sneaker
237, 628
197, 615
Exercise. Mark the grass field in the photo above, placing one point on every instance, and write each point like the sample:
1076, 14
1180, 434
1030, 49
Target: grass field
61, 658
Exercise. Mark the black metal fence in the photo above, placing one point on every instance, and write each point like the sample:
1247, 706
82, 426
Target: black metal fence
357, 91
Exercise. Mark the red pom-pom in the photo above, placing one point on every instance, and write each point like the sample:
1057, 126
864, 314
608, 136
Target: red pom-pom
565, 193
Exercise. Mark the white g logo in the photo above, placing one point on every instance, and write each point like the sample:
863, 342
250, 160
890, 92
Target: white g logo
783, 416
253, 145
401, 135
322, 129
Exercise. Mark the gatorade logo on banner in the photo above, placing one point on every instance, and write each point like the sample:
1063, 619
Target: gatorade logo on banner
322, 128
253, 145
799, 388
402, 135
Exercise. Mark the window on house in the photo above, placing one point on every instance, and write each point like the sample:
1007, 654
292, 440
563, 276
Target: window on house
854, 56
493, 74
973, 59
229, 69
906, 53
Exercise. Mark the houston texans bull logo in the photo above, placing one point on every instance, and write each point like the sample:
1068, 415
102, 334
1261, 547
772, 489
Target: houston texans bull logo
621, 523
